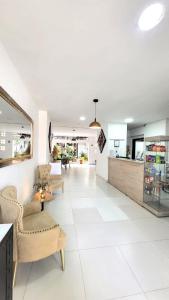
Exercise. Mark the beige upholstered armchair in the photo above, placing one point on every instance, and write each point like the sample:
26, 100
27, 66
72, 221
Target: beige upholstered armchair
54, 181
36, 235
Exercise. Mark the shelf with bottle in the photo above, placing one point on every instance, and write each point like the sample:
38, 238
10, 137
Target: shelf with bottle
157, 159
156, 175
156, 148
155, 153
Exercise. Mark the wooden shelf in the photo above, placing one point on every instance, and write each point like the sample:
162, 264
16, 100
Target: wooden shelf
159, 138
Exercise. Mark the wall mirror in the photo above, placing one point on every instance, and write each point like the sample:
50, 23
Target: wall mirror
15, 131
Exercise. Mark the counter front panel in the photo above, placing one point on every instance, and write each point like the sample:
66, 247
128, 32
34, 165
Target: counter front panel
127, 176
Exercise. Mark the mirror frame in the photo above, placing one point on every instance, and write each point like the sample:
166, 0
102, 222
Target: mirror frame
15, 105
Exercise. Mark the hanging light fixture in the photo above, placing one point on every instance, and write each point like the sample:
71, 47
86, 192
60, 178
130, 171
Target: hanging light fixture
74, 135
95, 124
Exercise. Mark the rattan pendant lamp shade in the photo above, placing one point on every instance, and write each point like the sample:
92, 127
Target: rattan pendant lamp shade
95, 124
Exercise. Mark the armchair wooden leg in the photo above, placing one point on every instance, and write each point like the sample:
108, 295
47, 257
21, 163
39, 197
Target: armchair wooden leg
62, 187
62, 258
15, 264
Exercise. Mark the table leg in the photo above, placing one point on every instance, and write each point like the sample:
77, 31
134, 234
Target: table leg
42, 206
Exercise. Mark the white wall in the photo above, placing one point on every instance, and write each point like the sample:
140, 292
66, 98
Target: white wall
43, 144
117, 132
167, 126
156, 128
151, 129
112, 132
22, 174
92, 141
137, 132
102, 158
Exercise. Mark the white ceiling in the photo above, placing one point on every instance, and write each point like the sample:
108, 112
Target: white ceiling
69, 52
74, 131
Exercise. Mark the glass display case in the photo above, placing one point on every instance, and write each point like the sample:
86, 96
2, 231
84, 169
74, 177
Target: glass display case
156, 175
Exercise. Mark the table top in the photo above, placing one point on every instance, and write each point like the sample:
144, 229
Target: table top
4, 228
48, 197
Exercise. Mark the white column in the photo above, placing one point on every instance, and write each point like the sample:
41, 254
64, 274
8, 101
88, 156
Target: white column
92, 142
43, 146
112, 132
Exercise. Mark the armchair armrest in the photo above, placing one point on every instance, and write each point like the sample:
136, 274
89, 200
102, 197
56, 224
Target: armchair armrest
31, 208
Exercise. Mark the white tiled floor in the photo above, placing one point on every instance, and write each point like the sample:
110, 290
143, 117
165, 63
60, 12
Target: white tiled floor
115, 249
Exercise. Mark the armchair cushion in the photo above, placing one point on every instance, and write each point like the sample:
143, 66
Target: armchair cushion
38, 222
55, 177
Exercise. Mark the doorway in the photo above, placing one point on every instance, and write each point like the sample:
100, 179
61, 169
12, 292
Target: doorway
138, 148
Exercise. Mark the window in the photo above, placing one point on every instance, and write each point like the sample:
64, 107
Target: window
2, 148
2, 142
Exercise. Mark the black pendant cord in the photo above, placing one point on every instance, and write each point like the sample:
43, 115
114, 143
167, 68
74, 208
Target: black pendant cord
95, 111
95, 102
95, 124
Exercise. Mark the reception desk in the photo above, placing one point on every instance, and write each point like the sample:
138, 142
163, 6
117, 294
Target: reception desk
127, 176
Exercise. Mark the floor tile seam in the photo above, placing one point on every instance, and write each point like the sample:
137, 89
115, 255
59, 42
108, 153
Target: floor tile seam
121, 244
76, 238
81, 270
142, 242
156, 290
124, 297
108, 222
73, 216
143, 290
132, 271
93, 223
106, 246
82, 274
27, 281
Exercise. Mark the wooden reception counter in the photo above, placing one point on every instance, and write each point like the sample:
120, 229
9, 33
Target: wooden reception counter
127, 176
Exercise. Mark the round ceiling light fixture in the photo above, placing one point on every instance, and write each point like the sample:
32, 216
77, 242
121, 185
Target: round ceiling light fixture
82, 118
95, 124
0, 112
151, 16
129, 120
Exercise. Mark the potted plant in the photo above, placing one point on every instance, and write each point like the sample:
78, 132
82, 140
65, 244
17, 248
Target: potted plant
81, 160
83, 157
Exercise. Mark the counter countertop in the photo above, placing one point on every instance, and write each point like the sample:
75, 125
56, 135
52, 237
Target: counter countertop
4, 228
127, 160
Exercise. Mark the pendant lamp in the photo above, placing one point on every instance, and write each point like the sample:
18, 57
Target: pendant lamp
95, 124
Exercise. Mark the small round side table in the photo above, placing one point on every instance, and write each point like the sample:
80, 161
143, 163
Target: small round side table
46, 197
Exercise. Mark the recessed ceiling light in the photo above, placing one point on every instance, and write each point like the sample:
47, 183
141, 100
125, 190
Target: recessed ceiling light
82, 118
0, 112
128, 120
151, 16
